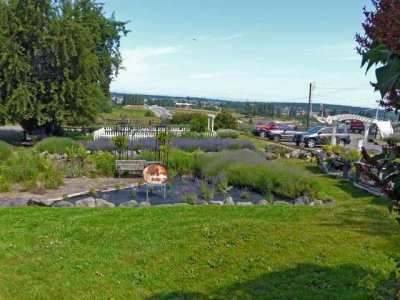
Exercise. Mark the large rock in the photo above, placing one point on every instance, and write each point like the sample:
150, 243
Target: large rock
317, 202
14, 203
281, 203
202, 202
216, 203
131, 203
87, 202
91, 202
263, 202
303, 200
244, 203
144, 204
229, 201
271, 156
103, 203
295, 154
327, 200
39, 202
62, 204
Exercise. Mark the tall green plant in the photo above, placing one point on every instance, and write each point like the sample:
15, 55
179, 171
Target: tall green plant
58, 60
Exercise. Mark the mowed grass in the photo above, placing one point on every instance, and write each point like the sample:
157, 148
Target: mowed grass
345, 250
133, 113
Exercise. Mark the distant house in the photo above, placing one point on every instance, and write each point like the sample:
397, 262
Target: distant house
183, 104
117, 100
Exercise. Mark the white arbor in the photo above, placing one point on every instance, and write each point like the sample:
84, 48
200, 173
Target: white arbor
385, 127
211, 119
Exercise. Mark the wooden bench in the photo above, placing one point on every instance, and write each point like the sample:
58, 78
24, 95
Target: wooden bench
130, 165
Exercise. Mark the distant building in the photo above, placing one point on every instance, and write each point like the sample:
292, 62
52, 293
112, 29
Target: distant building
183, 104
117, 100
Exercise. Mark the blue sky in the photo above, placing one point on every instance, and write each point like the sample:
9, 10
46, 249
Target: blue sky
260, 50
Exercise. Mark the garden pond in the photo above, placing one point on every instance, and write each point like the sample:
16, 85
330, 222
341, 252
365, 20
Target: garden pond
179, 190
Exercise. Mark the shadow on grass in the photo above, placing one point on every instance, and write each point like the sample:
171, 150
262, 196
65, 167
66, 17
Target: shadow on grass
305, 281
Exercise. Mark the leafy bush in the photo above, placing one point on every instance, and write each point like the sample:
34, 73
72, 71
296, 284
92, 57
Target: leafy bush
225, 120
105, 163
190, 198
6, 150
121, 142
149, 113
227, 134
5, 185
206, 192
31, 170
351, 156
198, 123
185, 118
249, 169
55, 145
77, 136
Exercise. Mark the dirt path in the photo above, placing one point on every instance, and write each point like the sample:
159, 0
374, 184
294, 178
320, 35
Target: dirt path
72, 186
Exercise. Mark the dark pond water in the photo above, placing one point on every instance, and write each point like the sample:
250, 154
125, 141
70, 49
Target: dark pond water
177, 188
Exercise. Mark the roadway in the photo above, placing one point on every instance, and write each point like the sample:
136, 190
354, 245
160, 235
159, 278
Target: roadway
160, 112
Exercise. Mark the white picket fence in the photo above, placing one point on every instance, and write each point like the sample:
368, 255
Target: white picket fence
137, 133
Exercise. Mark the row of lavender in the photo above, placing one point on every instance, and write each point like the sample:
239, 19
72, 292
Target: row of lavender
185, 144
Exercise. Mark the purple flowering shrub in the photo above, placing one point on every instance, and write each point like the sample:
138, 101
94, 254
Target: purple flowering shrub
185, 144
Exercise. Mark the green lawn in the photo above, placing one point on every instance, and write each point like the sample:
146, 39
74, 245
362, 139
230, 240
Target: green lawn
136, 113
345, 250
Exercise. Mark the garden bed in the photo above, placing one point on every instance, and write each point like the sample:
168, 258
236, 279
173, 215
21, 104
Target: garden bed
176, 191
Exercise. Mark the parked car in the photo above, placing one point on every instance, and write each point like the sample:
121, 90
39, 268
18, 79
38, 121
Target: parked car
356, 126
285, 133
261, 130
320, 135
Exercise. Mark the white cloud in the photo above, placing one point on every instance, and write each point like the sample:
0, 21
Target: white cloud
209, 75
231, 37
219, 39
141, 65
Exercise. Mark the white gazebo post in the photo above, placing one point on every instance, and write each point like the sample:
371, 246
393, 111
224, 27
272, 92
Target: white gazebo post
334, 131
211, 123
366, 133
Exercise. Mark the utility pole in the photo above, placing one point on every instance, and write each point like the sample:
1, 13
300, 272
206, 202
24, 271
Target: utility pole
312, 87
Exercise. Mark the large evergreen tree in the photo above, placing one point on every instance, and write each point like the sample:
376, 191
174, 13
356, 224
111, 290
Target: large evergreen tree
57, 62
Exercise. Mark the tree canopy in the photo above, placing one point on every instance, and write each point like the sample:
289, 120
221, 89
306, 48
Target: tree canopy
380, 45
57, 61
225, 120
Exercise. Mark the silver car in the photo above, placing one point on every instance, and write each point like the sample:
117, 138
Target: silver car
284, 134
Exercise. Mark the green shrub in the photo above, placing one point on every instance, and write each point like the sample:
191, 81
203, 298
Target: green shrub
227, 134
149, 113
6, 150
55, 145
77, 136
189, 198
206, 193
5, 185
351, 156
105, 163
249, 169
29, 169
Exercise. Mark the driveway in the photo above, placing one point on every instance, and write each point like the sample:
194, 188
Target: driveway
354, 138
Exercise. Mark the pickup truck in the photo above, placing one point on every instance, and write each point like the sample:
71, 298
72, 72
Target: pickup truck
320, 135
